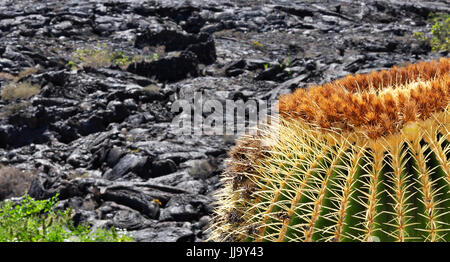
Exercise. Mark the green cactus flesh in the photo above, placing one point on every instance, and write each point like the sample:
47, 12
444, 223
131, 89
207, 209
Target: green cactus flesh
308, 188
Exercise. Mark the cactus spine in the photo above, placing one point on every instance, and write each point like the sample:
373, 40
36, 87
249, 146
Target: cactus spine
364, 158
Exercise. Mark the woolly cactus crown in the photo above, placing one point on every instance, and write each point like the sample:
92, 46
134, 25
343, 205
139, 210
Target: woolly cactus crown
364, 158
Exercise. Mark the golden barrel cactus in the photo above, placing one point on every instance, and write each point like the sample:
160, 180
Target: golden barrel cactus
363, 158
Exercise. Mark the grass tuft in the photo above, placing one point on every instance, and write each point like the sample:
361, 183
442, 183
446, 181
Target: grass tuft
23, 90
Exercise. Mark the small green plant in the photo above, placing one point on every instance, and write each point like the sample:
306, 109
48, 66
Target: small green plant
37, 221
101, 56
119, 58
72, 65
440, 32
257, 45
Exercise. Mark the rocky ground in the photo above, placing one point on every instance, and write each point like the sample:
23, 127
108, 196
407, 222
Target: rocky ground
99, 134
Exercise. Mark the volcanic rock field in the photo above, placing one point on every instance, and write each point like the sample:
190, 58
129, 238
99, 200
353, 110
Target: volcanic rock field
108, 72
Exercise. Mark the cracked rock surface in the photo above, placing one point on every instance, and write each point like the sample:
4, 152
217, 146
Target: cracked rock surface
99, 134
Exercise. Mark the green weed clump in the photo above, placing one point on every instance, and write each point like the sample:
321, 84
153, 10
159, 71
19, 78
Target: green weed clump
257, 45
38, 221
101, 56
440, 32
